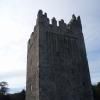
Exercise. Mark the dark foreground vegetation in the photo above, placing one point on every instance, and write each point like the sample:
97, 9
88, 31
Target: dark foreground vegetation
15, 96
21, 95
4, 93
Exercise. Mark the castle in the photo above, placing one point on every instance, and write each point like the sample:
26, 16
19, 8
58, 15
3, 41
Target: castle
57, 66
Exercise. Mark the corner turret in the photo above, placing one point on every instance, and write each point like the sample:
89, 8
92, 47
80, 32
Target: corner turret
42, 18
75, 24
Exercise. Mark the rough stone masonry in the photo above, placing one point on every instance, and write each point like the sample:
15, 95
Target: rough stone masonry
57, 66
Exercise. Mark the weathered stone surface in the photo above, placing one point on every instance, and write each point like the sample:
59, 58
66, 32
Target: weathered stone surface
57, 67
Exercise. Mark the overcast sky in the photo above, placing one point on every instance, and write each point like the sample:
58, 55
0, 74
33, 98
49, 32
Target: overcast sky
17, 20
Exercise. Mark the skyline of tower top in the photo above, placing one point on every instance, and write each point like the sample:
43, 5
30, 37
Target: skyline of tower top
75, 21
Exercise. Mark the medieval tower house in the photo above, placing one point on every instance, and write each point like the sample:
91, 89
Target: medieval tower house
57, 67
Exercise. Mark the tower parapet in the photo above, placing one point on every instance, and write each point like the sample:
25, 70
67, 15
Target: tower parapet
73, 28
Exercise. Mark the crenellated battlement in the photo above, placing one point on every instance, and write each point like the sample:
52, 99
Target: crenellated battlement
74, 26
72, 29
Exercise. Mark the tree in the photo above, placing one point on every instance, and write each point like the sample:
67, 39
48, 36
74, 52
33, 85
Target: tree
3, 87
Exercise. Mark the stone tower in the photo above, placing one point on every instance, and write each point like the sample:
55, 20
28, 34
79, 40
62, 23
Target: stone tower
57, 66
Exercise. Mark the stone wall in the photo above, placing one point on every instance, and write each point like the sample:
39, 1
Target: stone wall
57, 67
